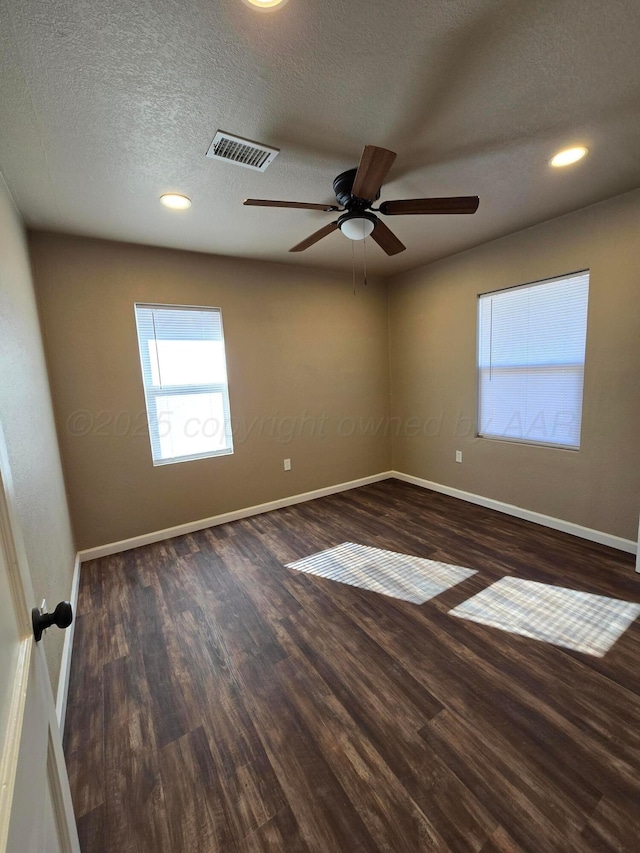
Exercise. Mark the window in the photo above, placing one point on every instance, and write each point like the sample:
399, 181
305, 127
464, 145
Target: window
185, 382
531, 344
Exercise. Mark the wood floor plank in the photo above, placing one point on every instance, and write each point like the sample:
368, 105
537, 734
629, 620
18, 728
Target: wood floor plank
248, 782
135, 816
281, 832
84, 721
501, 842
91, 829
198, 814
515, 796
220, 702
613, 826
414, 781
327, 818
391, 815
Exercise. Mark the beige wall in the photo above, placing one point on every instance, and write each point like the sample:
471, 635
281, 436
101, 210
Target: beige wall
433, 354
299, 344
27, 421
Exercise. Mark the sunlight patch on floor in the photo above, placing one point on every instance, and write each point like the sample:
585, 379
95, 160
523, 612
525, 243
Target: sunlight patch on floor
563, 617
413, 579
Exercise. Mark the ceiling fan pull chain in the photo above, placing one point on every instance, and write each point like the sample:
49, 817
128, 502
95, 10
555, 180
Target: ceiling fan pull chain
364, 258
353, 266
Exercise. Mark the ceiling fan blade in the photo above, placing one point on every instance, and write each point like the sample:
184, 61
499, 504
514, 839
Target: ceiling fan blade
265, 202
461, 204
374, 165
317, 235
386, 239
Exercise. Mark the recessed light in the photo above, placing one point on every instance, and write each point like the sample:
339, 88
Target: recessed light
568, 156
175, 201
265, 5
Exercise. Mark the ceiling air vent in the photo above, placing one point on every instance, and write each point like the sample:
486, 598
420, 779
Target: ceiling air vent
243, 152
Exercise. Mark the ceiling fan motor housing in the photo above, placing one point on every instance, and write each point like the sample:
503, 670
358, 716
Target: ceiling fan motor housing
343, 186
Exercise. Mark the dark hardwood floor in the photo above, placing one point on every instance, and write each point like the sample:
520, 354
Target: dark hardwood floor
221, 702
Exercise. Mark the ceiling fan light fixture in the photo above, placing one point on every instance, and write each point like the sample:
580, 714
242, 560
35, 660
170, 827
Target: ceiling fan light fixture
568, 156
175, 201
357, 227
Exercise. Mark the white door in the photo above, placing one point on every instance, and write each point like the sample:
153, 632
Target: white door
36, 815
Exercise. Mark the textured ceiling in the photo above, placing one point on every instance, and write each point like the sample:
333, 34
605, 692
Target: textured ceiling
104, 106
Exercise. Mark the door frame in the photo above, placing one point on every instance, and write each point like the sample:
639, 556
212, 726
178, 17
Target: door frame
31, 655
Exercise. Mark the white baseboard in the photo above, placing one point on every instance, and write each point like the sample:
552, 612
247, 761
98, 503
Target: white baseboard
65, 664
618, 542
203, 523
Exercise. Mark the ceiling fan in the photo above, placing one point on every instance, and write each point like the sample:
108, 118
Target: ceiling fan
356, 190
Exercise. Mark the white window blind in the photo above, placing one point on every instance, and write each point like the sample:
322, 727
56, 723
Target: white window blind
531, 346
185, 381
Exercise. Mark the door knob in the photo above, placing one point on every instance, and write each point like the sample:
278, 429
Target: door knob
62, 616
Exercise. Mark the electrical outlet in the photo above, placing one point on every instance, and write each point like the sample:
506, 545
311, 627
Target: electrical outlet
458, 456
287, 464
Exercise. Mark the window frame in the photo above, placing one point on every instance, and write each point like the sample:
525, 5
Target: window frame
529, 441
152, 393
